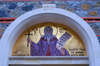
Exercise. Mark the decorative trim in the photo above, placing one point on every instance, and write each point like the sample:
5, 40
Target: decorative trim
35, 60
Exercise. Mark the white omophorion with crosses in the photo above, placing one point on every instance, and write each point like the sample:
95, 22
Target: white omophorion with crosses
63, 39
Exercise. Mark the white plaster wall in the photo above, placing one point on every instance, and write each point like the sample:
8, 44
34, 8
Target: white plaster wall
58, 16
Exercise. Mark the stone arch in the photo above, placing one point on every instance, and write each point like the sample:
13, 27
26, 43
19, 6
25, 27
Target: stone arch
58, 16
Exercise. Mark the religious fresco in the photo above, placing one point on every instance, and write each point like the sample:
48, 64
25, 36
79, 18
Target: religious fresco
49, 39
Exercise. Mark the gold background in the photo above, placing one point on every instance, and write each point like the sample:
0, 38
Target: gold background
74, 45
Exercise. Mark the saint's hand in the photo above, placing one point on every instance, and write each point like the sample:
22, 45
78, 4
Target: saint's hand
62, 51
29, 41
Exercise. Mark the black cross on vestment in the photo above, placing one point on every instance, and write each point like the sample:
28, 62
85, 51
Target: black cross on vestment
28, 37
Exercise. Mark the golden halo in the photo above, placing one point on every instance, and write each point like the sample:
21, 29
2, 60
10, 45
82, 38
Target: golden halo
54, 27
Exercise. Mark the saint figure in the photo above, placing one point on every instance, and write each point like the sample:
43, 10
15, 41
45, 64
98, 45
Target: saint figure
47, 45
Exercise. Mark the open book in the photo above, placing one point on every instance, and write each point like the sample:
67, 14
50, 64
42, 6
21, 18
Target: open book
63, 39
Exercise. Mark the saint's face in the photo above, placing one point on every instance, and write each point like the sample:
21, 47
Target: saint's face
48, 30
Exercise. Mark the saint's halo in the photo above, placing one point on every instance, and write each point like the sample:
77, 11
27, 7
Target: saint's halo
54, 27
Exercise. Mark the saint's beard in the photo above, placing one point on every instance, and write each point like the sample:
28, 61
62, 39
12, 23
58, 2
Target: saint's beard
48, 37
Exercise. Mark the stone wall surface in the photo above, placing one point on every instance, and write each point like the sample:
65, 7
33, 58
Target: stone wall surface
81, 8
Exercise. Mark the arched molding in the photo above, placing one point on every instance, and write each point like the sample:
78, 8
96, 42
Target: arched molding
61, 16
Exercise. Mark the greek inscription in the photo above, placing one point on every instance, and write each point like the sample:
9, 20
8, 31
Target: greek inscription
20, 55
65, 28
15, 52
60, 43
77, 52
35, 30
49, 7
61, 30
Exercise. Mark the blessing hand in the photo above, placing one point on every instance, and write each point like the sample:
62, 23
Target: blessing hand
62, 51
29, 41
